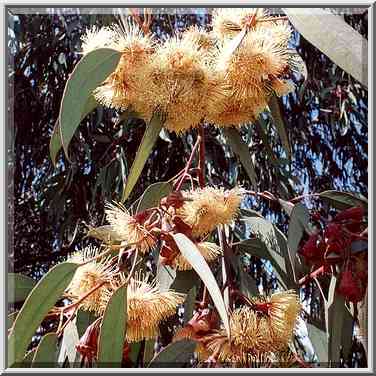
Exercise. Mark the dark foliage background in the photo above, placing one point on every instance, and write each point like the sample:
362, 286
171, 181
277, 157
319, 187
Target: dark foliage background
326, 120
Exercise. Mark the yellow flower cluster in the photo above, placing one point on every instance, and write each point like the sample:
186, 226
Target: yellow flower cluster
198, 75
206, 208
147, 307
255, 332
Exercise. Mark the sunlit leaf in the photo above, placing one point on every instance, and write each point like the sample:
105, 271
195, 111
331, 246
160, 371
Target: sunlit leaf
334, 37
41, 299
68, 352
87, 75
147, 143
194, 257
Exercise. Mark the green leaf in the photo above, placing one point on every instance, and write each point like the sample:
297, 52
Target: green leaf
319, 340
11, 319
83, 320
153, 195
19, 287
240, 148
247, 284
277, 251
343, 200
88, 74
175, 354
256, 247
334, 37
147, 143
134, 352
165, 276
46, 353
185, 280
280, 124
194, 257
112, 332
340, 329
41, 299
55, 142
299, 222
189, 304
149, 351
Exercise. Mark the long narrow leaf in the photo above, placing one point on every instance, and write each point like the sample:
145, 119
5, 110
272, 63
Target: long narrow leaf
88, 74
19, 287
41, 299
240, 148
112, 332
147, 143
194, 257
334, 37
46, 353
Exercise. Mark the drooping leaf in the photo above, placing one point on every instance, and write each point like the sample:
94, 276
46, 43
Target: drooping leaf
189, 304
343, 200
19, 287
147, 143
194, 257
319, 340
280, 124
247, 284
55, 142
110, 346
83, 320
68, 353
149, 351
185, 280
41, 299
240, 148
277, 248
340, 329
256, 247
176, 354
299, 223
87, 75
46, 353
165, 276
153, 195
334, 37
11, 319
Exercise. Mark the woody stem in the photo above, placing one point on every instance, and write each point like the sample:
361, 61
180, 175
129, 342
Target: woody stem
201, 162
188, 165
312, 275
95, 288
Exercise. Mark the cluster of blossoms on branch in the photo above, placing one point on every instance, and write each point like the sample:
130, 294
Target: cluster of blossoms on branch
333, 250
224, 76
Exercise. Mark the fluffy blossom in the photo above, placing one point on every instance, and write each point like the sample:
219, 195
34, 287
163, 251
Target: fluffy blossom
180, 83
129, 228
146, 307
87, 277
209, 207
